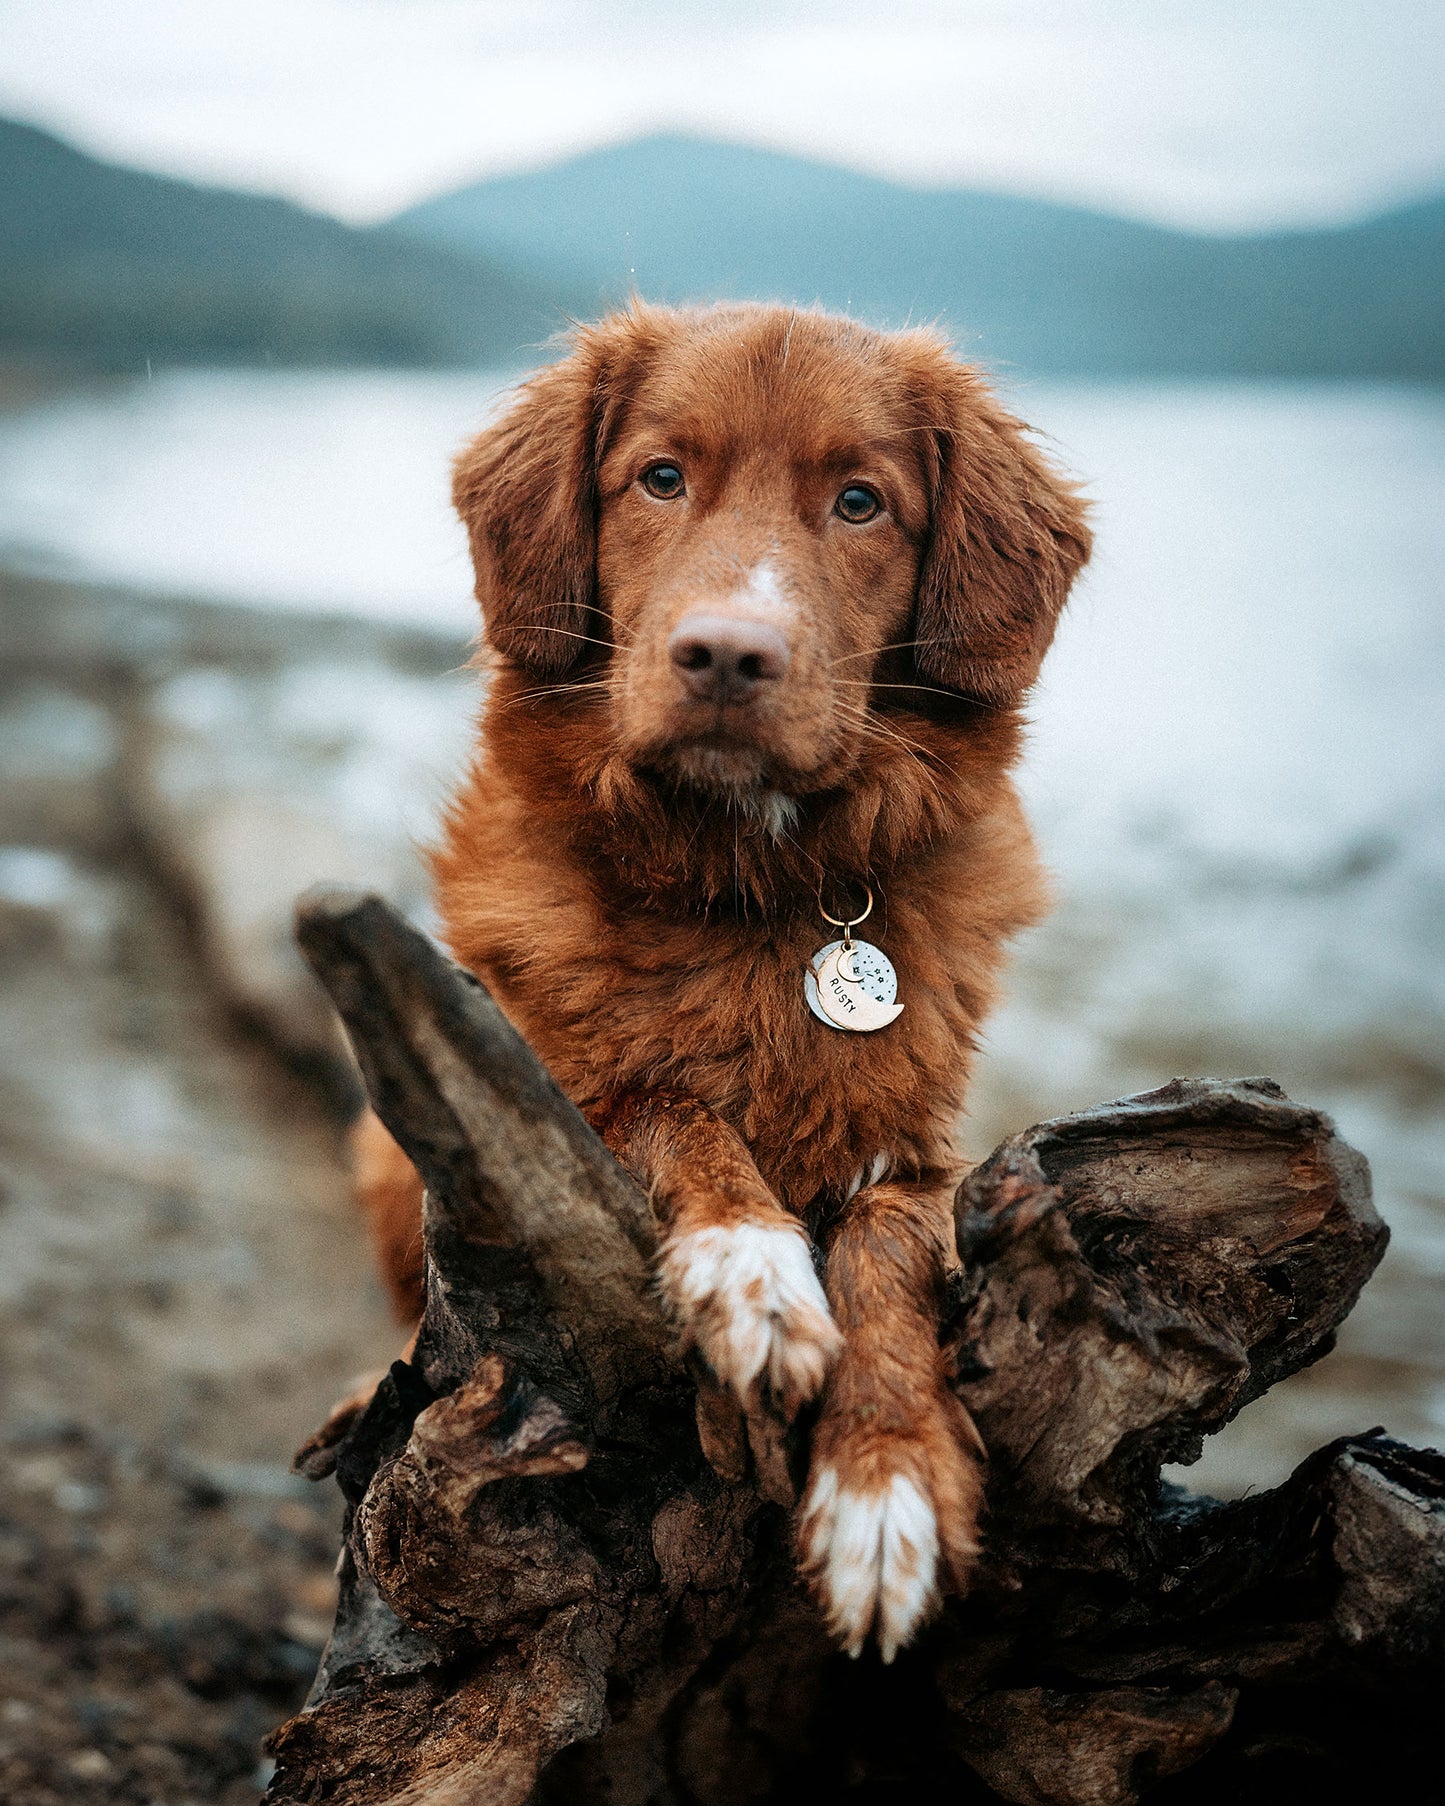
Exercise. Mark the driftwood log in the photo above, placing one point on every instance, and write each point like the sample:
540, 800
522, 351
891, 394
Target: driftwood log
547, 1593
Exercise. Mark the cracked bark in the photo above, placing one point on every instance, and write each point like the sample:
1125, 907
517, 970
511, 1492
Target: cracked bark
548, 1593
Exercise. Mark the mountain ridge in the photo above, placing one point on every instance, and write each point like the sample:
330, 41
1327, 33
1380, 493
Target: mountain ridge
105, 265
111, 267
1049, 286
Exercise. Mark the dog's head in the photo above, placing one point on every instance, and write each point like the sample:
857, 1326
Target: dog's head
754, 527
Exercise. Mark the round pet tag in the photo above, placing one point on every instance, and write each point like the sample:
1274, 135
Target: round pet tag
852, 986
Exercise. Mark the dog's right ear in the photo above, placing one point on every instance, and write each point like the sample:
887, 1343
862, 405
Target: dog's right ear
526, 490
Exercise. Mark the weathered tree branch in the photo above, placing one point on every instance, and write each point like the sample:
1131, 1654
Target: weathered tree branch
1175, 1255
548, 1594
485, 1124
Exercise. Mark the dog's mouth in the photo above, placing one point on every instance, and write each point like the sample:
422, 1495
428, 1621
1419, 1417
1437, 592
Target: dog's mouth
720, 763
747, 767
725, 707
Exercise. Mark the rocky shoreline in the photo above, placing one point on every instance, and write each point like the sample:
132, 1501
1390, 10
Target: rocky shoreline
182, 1291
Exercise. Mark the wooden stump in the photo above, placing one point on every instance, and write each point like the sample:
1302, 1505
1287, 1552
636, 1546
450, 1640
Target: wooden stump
548, 1594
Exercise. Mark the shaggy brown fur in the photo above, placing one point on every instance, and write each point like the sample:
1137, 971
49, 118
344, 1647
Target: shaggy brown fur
635, 862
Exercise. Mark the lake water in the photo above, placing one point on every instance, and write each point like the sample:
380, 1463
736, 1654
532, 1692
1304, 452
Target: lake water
1237, 768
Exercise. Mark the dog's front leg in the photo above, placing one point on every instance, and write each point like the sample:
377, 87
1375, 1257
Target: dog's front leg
735, 1267
895, 1485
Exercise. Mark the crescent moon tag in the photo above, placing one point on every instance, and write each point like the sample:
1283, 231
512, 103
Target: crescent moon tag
852, 987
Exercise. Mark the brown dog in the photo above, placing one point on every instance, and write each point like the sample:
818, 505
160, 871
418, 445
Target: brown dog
763, 593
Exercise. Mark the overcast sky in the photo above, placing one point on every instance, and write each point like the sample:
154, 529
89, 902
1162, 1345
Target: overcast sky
1211, 113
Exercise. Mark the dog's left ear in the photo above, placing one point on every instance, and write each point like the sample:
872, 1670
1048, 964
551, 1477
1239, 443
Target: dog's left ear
527, 493
1008, 535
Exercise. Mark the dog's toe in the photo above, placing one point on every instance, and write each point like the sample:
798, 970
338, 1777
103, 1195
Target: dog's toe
749, 1299
890, 1516
873, 1558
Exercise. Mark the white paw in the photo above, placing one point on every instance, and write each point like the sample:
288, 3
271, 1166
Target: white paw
873, 1557
748, 1297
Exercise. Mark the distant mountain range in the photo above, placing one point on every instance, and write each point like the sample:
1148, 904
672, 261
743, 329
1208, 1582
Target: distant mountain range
1019, 282
109, 266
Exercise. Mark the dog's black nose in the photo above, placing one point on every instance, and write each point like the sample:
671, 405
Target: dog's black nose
722, 658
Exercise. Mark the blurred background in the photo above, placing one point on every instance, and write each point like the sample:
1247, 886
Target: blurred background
263, 267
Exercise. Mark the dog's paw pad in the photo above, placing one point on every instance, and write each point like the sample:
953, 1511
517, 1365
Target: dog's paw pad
872, 1555
748, 1297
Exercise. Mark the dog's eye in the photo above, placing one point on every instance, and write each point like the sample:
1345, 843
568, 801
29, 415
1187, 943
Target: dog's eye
857, 503
662, 480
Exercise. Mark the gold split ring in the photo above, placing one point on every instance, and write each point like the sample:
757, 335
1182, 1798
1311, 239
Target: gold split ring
847, 927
